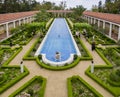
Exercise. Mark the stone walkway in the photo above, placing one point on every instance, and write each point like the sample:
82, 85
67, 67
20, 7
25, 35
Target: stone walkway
56, 80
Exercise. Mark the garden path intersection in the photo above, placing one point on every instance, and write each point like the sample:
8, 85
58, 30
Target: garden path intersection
56, 80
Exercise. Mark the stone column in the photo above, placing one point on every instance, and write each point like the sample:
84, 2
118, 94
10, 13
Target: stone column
27, 19
91, 20
119, 32
24, 20
19, 22
98, 23
94, 20
110, 30
7, 30
103, 24
14, 24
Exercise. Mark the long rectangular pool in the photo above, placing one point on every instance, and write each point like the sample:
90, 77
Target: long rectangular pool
58, 39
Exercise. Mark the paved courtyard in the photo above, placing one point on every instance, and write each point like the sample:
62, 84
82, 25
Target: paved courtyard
56, 80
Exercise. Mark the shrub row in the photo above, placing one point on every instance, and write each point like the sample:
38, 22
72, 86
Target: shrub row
41, 91
69, 23
84, 47
67, 66
26, 57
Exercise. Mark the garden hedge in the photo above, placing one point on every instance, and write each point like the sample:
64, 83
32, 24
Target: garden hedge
26, 57
89, 55
76, 61
41, 91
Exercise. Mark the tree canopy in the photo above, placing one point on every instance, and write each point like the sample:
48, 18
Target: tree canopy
110, 6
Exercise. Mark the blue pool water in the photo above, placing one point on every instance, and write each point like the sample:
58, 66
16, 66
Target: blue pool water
58, 39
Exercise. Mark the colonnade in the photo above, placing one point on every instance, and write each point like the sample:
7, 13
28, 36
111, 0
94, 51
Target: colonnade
110, 28
6, 26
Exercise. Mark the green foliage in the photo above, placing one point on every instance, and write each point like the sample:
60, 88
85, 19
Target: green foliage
74, 63
42, 16
17, 5
114, 77
14, 30
78, 87
75, 57
81, 26
29, 86
118, 42
30, 91
77, 12
33, 27
1, 56
12, 77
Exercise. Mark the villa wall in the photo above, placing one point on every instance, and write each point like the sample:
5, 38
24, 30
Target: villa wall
7, 22
109, 23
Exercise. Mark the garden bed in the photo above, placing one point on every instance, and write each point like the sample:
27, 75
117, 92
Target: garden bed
34, 88
77, 87
21, 38
12, 75
99, 38
108, 75
7, 54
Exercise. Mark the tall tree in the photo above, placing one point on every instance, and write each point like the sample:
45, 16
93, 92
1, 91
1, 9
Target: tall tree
100, 6
94, 8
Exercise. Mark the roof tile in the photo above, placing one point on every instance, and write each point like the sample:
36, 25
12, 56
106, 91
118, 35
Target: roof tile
115, 18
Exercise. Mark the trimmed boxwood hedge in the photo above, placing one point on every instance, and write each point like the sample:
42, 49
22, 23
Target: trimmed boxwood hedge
69, 86
26, 57
89, 55
14, 81
76, 61
41, 91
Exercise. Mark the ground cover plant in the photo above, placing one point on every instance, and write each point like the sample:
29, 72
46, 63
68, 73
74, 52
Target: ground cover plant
33, 88
77, 87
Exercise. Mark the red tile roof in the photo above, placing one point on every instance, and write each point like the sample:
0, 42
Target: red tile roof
13, 16
60, 11
115, 18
